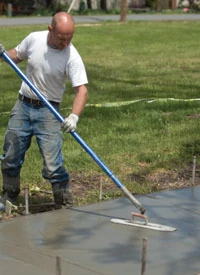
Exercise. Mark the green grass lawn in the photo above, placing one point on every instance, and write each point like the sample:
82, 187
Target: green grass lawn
142, 113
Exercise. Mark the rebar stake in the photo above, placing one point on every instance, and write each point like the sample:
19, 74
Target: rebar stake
144, 253
194, 170
100, 189
58, 265
26, 194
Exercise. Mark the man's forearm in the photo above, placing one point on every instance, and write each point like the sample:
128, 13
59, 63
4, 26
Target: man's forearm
80, 100
13, 55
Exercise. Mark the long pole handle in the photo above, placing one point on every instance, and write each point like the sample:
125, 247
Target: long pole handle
74, 134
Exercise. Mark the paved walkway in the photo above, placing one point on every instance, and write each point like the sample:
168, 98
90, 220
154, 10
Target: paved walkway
85, 241
29, 20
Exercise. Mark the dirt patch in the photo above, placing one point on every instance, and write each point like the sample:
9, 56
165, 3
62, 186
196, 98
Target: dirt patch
83, 185
92, 188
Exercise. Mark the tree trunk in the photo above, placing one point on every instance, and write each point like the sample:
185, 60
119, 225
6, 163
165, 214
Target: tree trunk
123, 10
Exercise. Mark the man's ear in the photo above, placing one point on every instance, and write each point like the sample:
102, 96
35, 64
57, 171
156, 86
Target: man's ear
50, 28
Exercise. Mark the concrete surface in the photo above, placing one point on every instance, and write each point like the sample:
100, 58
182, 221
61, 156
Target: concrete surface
39, 20
86, 242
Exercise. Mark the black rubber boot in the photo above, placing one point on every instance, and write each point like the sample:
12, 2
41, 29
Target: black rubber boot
11, 190
62, 196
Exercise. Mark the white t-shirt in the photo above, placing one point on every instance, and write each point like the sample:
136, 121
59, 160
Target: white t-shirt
48, 69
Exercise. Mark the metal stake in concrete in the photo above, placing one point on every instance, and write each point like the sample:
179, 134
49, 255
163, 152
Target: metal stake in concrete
26, 194
58, 265
194, 170
100, 189
144, 252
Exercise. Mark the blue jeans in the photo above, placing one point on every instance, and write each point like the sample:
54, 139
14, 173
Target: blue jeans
27, 121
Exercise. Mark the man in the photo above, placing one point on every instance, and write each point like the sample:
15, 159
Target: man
51, 60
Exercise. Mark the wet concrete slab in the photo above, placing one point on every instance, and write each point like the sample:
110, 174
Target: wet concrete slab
86, 242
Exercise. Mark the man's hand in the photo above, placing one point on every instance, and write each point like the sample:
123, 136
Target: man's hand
70, 122
1, 48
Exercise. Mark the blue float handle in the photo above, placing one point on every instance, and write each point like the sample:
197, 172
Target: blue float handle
74, 134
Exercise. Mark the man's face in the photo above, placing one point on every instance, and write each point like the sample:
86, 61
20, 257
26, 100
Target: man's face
60, 37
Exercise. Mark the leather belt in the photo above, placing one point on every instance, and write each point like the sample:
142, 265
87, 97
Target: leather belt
35, 102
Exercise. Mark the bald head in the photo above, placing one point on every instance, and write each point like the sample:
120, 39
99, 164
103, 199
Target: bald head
61, 30
62, 18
